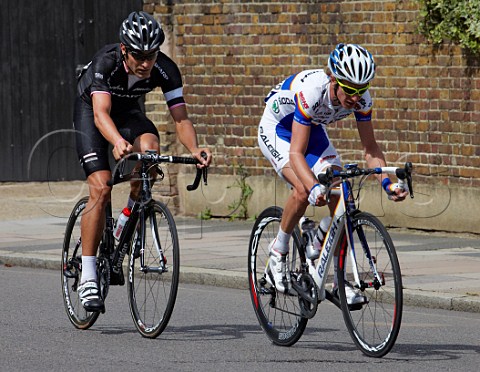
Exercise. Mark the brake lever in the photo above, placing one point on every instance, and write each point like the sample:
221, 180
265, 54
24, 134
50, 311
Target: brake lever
325, 179
205, 175
405, 174
408, 171
118, 173
204, 169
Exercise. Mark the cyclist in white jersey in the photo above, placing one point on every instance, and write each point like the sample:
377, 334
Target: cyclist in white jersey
293, 137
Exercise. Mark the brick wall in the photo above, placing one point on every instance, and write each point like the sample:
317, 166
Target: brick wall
427, 100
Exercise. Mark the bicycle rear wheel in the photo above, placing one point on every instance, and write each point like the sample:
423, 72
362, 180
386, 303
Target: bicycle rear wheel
152, 290
72, 269
374, 325
279, 314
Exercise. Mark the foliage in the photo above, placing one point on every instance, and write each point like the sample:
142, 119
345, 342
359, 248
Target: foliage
239, 207
206, 214
451, 20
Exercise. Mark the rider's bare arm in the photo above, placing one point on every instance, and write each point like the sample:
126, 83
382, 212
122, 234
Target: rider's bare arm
102, 104
187, 134
375, 158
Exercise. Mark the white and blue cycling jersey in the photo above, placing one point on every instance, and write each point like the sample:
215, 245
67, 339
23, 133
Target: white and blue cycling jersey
305, 98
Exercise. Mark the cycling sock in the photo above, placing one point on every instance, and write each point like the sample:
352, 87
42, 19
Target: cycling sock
281, 242
89, 268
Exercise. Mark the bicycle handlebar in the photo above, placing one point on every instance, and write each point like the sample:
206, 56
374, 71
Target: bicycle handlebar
351, 170
154, 158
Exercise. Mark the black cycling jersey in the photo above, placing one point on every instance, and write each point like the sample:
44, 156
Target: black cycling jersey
107, 73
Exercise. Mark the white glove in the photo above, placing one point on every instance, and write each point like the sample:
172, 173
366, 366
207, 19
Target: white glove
315, 192
390, 187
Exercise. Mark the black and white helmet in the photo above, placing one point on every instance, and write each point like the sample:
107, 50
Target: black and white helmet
141, 32
353, 63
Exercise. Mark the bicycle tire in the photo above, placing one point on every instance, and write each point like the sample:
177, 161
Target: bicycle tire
375, 326
71, 270
279, 314
152, 295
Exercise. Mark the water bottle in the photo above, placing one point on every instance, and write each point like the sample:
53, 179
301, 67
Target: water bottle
322, 230
121, 221
308, 230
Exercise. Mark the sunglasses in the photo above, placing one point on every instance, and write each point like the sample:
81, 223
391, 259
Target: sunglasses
143, 57
353, 91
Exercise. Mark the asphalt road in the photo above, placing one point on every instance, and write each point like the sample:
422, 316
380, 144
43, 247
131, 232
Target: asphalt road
212, 329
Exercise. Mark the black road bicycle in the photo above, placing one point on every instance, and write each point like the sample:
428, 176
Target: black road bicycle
149, 239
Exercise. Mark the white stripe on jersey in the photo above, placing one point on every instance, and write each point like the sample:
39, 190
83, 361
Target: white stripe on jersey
174, 94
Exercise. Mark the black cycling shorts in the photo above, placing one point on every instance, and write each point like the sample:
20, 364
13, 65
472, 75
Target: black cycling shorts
92, 147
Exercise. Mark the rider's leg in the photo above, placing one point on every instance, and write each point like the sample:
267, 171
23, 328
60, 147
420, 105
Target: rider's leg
93, 220
144, 142
277, 271
297, 202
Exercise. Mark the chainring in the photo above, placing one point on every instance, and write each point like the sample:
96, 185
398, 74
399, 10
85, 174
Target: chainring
307, 295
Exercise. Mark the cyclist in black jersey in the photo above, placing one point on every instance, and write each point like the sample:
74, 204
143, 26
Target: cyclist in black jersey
107, 112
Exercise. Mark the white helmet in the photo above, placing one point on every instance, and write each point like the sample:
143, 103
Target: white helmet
353, 63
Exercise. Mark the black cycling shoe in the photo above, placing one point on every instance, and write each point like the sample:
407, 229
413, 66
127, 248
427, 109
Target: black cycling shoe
90, 296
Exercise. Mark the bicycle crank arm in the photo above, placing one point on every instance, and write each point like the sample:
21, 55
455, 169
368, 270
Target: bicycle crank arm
302, 292
333, 299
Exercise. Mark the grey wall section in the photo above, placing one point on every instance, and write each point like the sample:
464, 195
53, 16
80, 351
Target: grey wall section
42, 43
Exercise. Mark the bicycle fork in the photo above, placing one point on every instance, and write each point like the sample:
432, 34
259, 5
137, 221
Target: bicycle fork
378, 279
140, 242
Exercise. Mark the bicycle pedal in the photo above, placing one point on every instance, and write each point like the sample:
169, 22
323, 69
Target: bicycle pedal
69, 274
359, 306
355, 307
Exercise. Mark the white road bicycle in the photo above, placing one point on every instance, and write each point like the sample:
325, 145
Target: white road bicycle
367, 262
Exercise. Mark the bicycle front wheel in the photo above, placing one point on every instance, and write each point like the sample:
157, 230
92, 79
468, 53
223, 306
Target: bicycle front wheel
72, 269
374, 324
152, 287
279, 314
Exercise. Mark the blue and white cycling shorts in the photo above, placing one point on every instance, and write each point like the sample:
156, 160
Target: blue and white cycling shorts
274, 141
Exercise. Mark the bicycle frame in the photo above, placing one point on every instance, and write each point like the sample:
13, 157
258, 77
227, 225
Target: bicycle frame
334, 238
137, 213
340, 233
139, 207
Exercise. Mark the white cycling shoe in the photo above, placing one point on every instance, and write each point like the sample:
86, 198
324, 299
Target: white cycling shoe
277, 272
353, 295
90, 296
